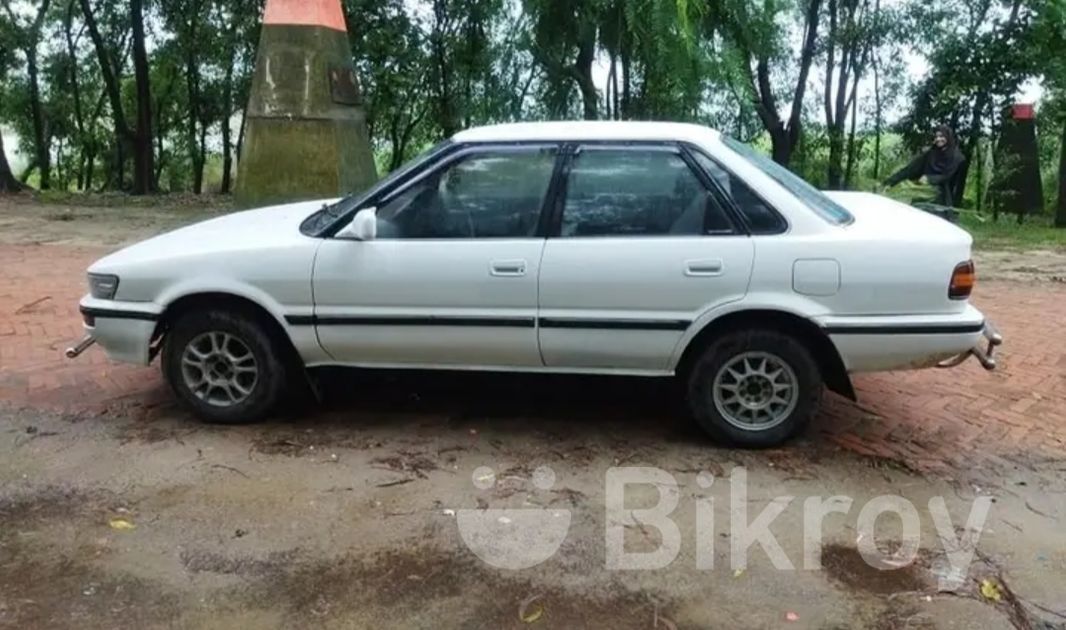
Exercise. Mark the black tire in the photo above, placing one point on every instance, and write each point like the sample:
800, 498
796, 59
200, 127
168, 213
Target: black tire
719, 354
272, 376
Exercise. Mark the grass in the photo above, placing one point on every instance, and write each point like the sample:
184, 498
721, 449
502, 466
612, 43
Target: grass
1037, 233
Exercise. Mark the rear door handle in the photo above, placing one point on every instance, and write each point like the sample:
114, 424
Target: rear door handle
704, 268
508, 268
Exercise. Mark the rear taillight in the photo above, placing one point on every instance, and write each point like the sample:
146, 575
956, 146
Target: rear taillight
962, 281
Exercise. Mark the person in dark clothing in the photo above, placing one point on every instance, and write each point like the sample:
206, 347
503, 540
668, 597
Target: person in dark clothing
939, 165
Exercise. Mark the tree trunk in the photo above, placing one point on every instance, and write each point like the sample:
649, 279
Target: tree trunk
8, 182
834, 117
968, 148
784, 137
878, 118
627, 62
113, 89
780, 146
849, 172
227, 111
75, 85
582, 73
1060, 213
40, 134
201, 158
143, 151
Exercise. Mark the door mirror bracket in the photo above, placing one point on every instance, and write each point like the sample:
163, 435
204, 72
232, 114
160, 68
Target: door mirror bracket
363, 227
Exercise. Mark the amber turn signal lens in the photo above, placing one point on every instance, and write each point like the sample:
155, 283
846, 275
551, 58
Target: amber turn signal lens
962, 281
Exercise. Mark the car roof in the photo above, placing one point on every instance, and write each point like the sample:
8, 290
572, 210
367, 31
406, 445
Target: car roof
593, 130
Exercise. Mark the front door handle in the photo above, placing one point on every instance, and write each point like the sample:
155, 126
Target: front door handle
709, 267
508, 268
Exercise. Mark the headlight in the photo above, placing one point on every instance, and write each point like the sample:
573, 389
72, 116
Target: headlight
103, 287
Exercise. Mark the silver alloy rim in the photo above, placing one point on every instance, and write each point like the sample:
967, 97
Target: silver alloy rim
756, 391
219, 369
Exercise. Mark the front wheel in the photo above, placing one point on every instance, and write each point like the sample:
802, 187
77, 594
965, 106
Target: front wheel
754, 388
223, 366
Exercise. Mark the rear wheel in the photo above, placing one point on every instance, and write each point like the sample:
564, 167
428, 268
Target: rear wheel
224, 366
754, 388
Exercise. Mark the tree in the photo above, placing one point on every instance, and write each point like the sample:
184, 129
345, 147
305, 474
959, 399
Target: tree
977, 66
28, 37
8, 182
138, 140
754, 34
1049, 40
564, 45
849, 30
393, 61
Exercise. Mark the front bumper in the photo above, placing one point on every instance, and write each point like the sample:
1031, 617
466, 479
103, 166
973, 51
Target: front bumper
125, 330
984, 353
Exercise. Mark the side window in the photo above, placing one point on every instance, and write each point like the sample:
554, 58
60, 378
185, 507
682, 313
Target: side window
761, 218
496, 194
638, 192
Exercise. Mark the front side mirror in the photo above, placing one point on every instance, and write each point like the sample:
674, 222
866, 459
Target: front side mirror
364, 226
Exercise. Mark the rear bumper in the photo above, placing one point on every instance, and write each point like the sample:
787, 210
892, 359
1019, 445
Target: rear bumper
984, 353
880, 343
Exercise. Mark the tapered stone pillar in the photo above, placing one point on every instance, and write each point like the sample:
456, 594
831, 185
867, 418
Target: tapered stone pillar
306, 134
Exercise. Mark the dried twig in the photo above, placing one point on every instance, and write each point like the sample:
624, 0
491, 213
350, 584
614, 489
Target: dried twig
390, 484
231, 469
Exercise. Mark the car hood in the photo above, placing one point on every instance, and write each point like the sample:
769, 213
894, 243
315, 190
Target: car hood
888, 219
251, 229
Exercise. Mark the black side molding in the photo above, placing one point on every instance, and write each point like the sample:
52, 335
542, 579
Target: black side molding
490, 322
613, 324
104, 313
493, 322
931, 329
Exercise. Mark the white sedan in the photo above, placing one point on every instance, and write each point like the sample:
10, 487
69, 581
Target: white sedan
649, 249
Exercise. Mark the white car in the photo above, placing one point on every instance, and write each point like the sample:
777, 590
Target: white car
650, 249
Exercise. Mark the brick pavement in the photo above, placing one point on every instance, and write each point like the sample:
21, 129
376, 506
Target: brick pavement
928, 420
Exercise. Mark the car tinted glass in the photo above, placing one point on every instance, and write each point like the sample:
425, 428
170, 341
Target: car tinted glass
761, 218
637, 192
809, 195
495, 194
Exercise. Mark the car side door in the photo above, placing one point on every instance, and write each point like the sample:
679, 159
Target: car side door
451, 277
641, 245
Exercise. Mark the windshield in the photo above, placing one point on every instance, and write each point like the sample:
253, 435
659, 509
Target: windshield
321, 220
825, 207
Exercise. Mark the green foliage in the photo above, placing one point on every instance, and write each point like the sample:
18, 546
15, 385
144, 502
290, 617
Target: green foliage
431, 67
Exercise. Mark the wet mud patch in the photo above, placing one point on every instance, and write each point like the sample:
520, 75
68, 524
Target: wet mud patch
406, 588
27, 510
200, 561
40, 589
845, 566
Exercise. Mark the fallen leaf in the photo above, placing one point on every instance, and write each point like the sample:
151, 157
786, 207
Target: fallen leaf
530, 617
738, 573
121, 524
990, 590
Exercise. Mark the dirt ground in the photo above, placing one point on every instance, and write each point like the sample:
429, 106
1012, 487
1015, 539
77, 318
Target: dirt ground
347, 514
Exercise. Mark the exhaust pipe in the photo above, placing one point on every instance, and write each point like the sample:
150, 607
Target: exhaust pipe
83, 345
